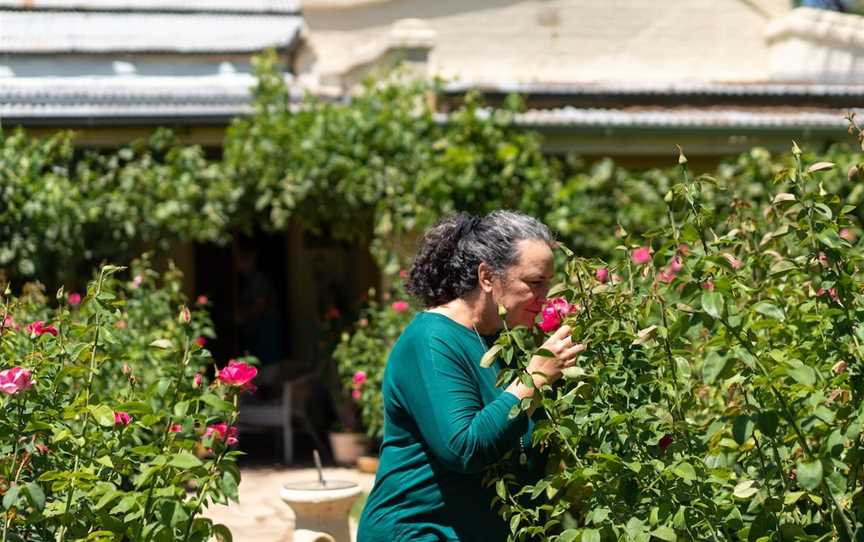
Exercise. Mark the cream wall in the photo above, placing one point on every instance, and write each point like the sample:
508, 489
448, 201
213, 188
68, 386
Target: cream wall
558, 41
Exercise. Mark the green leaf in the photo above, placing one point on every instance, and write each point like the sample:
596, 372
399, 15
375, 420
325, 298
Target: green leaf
712, 303
103, 414
490, 355
590, 535
663, 533
803, 375
715, 364
742, 429
162, 343
35, 495
684, 471
809, 474
770, 310
744, 489
10, 498
219, 404
184, 460
568, 536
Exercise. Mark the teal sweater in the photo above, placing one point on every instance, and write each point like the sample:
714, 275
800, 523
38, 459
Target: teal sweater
444, 422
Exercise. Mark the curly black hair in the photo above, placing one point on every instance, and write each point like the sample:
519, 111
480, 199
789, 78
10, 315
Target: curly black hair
445, 267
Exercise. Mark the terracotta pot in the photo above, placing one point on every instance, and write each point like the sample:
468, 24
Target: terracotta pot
347, 447
367, 464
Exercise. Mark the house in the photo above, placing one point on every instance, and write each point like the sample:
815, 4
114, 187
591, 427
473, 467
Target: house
620, 78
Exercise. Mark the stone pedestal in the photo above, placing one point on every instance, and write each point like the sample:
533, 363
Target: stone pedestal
322, 508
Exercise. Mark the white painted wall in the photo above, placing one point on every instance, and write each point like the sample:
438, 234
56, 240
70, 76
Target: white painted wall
560, 41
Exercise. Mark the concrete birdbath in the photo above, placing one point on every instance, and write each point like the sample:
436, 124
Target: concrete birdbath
321, 506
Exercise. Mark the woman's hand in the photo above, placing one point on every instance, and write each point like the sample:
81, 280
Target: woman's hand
546, 370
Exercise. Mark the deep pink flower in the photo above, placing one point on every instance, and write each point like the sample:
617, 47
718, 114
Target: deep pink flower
39, 328
403, 274
708, 285
175, 428
202, 300
237, 373
641, 255
848, 235
14, 380
223, 429
665, 442
122, 418
196, 380
675, 264
553, 313
74, 298
356, 394
201, 341
602, 275
823, 260
400, 306
359, 378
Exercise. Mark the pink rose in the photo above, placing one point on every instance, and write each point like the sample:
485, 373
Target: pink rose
136, 282
666, 276
201, 341
237, 373
202, 300
848, 235
175, 428
122, 418
39, 328
708, 285
403, 274
8, 322
641, 255
359, 378
196, 380
602, 275
823, 260
73, 299
553, 313
226, 433
14, 380
356, 394
400, 306
675, 264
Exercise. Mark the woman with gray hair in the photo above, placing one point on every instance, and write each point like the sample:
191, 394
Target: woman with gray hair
445, 420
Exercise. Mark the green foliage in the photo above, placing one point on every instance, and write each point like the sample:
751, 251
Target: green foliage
72, 467
361, 355
62, 209
718, 401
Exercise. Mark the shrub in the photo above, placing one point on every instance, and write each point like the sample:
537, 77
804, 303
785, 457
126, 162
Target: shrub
109, 429
720, 394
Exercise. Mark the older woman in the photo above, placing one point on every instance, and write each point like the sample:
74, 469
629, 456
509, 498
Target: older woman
445, 420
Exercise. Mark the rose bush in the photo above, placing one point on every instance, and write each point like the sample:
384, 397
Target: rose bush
108, 429
361, 354
720, 394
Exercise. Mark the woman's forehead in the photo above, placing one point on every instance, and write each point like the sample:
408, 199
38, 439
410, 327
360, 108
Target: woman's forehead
535, 256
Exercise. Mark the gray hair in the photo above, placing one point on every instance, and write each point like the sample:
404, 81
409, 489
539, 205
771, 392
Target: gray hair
445, 267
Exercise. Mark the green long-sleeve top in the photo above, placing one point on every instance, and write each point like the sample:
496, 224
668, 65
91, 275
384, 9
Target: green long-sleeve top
444, 422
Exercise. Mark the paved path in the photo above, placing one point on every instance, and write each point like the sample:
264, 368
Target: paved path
261, 516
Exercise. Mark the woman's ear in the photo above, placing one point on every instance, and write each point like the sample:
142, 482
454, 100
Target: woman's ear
484, 277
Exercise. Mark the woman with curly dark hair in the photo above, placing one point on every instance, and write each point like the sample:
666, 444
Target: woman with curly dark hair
445, 420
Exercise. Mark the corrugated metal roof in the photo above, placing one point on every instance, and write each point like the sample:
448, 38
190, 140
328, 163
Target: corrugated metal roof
686, 118
31, 32
659, 89
107, 97
269, 6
